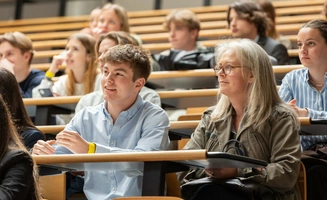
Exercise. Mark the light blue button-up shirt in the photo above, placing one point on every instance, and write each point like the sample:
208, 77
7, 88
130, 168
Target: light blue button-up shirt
143, 127
296, 85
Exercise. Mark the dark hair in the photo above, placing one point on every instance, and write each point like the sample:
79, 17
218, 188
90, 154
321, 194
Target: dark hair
251, 12
10, 140
269, 9
10, 92
320, 25
137, 58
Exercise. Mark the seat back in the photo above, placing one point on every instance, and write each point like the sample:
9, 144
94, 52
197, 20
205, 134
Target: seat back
302, 182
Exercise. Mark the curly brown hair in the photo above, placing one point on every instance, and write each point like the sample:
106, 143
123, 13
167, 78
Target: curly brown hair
137, 58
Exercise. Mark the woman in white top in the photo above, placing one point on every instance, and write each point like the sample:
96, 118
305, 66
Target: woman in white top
82, 74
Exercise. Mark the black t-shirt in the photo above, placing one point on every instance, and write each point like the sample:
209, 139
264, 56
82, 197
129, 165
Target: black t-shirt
33, 79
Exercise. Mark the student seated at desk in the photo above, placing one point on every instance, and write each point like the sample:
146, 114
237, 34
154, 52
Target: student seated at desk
82, 75
18, 172
10, 92
251, 118
16, 54
103, 44
186, 53
306, 91
246, 20
122, 123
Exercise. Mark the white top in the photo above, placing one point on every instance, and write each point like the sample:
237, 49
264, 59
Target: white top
59, 87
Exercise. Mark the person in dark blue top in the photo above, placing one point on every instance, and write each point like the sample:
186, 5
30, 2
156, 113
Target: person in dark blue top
16, 54
9, 90
33, 79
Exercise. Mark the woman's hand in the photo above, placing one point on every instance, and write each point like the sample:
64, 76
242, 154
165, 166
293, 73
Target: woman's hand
57, 61
222, 173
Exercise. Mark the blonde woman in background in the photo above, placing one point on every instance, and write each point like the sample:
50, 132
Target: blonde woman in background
82, 74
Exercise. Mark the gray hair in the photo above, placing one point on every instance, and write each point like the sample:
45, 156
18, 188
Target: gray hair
262, 92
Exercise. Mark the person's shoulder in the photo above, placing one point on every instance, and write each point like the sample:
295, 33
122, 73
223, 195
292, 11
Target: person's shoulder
92, 96
150, 106
15, 156
294, 74
91, 110
272, 41
280, 111
165, 53
35, 75
31, 131
37, 72
146, 91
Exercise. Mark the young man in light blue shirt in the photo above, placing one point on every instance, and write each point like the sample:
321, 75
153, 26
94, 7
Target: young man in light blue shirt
122, 123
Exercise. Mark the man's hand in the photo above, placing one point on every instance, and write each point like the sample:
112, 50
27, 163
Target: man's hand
222, 173
302, 112
43, 147
5, 63
72, 141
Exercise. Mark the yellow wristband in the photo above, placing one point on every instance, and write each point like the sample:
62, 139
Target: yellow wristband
49, 74
92, 147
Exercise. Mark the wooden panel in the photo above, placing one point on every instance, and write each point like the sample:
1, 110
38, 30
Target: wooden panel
53, 187
302, 182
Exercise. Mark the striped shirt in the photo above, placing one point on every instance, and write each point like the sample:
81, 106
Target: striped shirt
296, 85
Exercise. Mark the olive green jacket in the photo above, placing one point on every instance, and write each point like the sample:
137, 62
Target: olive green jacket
278, 144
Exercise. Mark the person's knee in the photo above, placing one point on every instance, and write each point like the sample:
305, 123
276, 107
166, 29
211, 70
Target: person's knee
319, 171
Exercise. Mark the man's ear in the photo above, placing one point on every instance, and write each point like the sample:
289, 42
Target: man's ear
139, 83
27, 56
194, 33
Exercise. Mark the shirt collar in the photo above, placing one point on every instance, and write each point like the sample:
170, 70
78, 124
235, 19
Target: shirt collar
129, 113
256, 39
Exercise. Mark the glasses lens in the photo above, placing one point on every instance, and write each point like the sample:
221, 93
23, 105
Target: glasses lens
227, 69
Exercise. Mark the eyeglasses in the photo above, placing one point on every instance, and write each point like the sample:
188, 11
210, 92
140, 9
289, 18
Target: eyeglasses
226, 69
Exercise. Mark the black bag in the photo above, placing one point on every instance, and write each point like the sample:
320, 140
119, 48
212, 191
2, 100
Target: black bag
184, 60
248, 189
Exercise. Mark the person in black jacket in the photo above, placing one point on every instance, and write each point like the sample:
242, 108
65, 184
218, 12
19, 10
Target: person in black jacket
247, 20
18, 172
9, 90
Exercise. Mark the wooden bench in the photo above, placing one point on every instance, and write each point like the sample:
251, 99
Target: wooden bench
282, 8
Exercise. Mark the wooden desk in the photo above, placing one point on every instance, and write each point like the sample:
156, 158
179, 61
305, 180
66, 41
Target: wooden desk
154, 165
43, 108
177, 130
